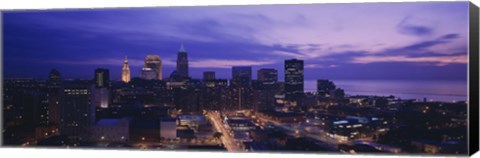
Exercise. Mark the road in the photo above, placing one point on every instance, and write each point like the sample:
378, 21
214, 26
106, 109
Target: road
230, 143
302, 132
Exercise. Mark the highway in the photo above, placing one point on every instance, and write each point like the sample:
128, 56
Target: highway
230, 143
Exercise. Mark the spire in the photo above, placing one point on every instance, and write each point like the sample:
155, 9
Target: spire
182, 49
125, 71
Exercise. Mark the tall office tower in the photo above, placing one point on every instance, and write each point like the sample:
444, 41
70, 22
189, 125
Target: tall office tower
240, 84
209, 75
241, 76
182, 62
54, 84
102, 78
325, 88
154, 63
267, 75
265, 89
78, 114
125, 71
100, 94
293, 79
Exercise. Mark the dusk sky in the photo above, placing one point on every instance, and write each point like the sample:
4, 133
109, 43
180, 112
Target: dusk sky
395, 41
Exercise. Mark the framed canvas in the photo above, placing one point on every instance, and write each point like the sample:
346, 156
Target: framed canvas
353, 78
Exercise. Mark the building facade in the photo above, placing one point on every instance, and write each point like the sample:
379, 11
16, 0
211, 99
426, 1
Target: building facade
293, 79
78, 114
153, 63
102, 78
182, 62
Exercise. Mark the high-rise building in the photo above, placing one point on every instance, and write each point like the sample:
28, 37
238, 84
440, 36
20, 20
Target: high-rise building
325, 88
209, 75
54, 84
241, 76
100, 94
154, 63
241, 91
102, 78
182, 62
78, 114
54, 79
125, 71
267, 75
293, 79
100, 97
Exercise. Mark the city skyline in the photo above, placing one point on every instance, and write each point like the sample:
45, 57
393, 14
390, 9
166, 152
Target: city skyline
434, 48
336, 78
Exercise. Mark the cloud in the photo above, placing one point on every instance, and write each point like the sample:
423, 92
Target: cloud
438, 60
226, 63
320, 66
406, 26
289, 54
115, 62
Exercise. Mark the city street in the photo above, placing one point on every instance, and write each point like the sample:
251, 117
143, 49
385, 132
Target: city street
230, 143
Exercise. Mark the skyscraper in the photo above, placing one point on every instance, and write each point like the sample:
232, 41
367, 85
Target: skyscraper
267, 75
54, 83
241, 76
78, 114
240, 84
102, 78
293, 79
154, 63
125, 71
100, 94
325, 88
182, 62
209, 75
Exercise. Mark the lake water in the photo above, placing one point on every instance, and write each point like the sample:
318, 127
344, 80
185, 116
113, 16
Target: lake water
432, 90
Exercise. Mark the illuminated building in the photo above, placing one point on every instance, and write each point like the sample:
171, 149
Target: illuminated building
293, 79
182, 62
241, 92
152, 68
241, 76
192, 121
78, 114
126, 71
100, 94
265, 88
267, 75
100, 97
102, 78
215, 94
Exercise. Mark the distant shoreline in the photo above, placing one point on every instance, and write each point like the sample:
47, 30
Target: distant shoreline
438, 90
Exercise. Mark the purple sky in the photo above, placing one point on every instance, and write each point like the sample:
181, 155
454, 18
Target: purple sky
401, 41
